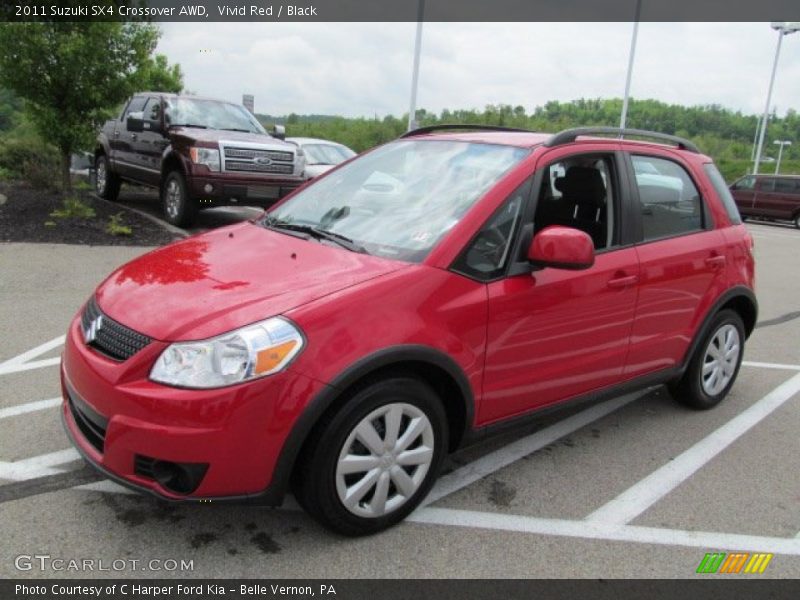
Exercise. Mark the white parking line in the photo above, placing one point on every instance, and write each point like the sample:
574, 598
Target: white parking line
604, 531
494, 461
25, 362
763, 365
642, 495
21, 409
37, 466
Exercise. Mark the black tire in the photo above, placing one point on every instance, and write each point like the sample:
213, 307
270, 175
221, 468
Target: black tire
690, 389
106, 183
315, 480
178, 208
797, 220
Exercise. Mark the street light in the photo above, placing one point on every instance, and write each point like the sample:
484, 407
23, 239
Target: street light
780, 143
624, 116
783, 29
412, 110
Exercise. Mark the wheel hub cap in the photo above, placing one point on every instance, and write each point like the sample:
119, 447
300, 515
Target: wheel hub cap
384, 460
721, 358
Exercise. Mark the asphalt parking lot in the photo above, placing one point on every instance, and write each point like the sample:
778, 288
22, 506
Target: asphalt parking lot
634, 487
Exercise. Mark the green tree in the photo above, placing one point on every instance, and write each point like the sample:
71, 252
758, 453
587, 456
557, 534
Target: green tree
71, 75
156, 75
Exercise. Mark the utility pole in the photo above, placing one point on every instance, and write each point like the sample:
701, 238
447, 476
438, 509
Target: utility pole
624, 117
412, 111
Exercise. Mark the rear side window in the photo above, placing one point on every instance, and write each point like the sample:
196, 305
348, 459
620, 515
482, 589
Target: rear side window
723, 192
671, 204
785, 186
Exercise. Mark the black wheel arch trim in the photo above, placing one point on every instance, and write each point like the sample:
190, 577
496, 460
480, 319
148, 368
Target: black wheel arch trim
362, 368
738, 291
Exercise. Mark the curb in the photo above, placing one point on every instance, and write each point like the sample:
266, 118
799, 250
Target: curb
164, 225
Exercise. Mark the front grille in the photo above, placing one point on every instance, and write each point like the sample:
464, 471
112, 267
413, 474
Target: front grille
110, 338
253, 167
255, 160
253, 153
91, 424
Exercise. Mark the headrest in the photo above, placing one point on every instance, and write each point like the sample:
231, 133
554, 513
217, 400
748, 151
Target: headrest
582, 185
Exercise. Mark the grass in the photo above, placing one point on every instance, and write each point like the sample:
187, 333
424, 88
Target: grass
116, 227
73, 208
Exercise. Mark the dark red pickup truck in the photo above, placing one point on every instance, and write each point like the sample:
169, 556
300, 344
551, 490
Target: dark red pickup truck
198, 152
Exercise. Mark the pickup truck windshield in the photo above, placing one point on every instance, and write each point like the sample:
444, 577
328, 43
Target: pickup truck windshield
399, 200
210, 114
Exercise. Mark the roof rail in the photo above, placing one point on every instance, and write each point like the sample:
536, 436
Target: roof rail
568, 135
452, 126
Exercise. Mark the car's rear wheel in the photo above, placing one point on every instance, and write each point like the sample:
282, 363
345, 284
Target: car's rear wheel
715, 365
179, 209
106, 183
374, 460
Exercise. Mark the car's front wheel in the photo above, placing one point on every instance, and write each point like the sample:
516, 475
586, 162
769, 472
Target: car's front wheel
372, 462
179, 209
713, 369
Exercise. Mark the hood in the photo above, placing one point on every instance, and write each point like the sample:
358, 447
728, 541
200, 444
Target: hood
214, 136
215, 282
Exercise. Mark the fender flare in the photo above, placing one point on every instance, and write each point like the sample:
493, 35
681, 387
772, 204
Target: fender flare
354, 373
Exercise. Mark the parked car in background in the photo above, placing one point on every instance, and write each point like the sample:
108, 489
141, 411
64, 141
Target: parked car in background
321, 155
431, 291
775, 197
199, 153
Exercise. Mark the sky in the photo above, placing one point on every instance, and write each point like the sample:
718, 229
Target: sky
364, 69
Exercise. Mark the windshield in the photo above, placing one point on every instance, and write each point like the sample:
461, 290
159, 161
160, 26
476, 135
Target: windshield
326, 154
400, 199
211, 114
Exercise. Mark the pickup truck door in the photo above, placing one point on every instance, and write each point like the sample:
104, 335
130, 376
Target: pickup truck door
125, 154
148, 145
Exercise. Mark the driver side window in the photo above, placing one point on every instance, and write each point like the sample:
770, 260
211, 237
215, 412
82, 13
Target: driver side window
487, 255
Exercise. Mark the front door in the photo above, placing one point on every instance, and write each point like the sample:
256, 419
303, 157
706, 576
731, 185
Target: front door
554, 334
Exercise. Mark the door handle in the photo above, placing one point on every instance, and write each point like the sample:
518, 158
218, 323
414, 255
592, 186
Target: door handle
621, 282
715, 261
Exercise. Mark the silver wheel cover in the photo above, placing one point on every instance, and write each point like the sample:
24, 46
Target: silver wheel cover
720, 360
384, 460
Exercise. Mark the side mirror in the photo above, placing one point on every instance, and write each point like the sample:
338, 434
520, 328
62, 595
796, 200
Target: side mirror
561, 248
279, 132
135, 121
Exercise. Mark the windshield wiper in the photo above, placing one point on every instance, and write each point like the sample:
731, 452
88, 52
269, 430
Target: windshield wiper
236, 129
316, 232
188, 125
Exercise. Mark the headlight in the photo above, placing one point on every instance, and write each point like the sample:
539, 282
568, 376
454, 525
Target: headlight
205, 156
248, 353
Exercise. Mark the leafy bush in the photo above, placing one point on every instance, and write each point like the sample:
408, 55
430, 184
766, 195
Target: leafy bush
116, 227
30, 159
73, 208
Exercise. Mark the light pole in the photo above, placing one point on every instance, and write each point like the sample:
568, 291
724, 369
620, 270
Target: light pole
624, 117
412, 111
780, 143
782, 29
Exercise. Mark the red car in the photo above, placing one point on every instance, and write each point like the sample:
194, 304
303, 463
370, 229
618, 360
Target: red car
408, 302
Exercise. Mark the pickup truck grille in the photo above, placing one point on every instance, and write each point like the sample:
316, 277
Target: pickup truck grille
112, 339
252, 160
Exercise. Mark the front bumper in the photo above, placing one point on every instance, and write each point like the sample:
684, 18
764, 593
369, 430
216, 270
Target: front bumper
236, 188
238, 432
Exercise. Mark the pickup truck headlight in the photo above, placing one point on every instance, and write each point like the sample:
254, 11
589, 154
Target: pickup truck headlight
251, 352
205, 156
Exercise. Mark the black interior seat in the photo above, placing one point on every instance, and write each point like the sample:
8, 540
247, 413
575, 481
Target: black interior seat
582, 204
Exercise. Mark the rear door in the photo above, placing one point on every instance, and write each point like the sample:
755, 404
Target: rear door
125, 155
779, 198
682, 260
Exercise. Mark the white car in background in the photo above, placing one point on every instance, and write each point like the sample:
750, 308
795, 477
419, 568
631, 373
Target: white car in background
321, 155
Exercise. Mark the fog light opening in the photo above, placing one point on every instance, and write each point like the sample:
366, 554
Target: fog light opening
181, 478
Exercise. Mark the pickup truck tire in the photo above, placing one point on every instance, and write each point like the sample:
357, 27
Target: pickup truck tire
179, 209
107, 183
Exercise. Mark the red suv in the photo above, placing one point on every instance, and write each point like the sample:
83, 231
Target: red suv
408, 302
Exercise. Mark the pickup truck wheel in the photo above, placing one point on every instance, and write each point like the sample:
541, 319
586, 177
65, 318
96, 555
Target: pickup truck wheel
797, 220
106, 183
179, 209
